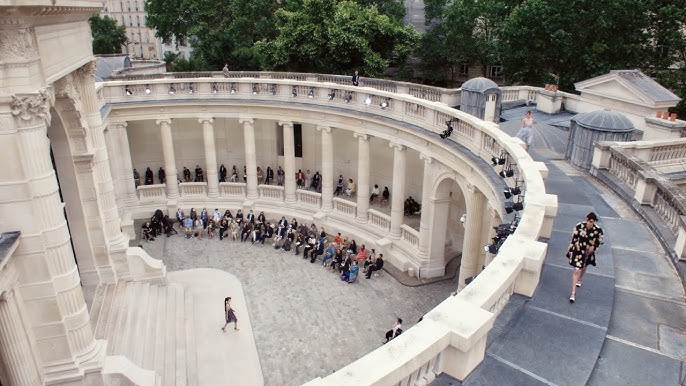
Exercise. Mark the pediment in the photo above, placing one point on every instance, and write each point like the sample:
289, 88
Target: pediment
613, 88
628, 86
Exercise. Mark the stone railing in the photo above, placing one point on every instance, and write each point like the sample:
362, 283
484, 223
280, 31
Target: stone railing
309, 198
152, 192
409, 235
193, 189
629, 168
456, 330
344, 207
232, 189
379, 220
272, 192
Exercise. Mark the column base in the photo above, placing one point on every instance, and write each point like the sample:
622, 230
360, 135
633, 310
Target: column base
213, 194
75, 372
361, 220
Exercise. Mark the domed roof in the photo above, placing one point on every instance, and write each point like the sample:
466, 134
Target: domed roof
479, 84
604, 120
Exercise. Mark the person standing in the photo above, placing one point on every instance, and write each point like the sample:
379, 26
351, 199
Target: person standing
229, 315
225, 70
586, 238
395, 330
526, 132
356, 79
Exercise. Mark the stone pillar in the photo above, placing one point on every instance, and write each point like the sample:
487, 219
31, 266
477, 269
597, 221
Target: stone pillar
210, 157
169, 161
114, 157
398, 193
126, 172
59, 315
472, 235
250, 156
15, 348
362, 177
288, 162
327, 168
427, 210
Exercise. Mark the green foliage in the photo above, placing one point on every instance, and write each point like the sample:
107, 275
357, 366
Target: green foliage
107, 37
336, 37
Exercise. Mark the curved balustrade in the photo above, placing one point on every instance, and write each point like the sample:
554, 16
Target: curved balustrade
273, 192
309, 198
380, 220
193, 189
409, 235
344, 207
635, 177
516, 268
232, 189
151, 192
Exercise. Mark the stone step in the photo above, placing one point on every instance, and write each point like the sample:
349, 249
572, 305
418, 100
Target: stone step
137, 337
113, 317
180, 336
191, 350
98, 305
160, 330
124, 320
150, 334
169, 362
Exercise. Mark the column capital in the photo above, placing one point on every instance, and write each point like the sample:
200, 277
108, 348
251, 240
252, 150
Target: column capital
426, 158
118, 125
361, 136
206, 119
88, 69
397, 146
324, 129
7, 295
286, 123
168, 121
245, 120
33, 108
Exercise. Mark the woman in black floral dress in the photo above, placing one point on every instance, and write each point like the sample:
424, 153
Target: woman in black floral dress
586, 239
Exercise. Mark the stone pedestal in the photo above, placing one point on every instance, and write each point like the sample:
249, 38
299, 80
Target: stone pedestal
549, 102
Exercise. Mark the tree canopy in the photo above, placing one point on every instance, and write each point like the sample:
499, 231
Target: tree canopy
336, 37
107, 37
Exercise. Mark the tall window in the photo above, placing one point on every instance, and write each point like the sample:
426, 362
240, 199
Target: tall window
297, 139
135, 6
121, 4
128, 6
138, 21
130, 21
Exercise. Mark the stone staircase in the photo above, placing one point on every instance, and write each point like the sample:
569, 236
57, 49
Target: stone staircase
150, 332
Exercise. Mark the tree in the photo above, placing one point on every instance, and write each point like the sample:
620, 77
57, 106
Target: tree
107, 36
336, 37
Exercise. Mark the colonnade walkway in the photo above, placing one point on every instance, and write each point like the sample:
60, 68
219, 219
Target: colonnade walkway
628, 324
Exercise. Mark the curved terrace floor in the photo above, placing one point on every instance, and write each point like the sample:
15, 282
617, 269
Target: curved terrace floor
306, 322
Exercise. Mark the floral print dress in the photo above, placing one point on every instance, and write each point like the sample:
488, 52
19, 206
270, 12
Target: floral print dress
582, 238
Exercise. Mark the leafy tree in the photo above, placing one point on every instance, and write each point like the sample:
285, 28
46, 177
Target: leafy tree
220, 31
336, 37
107, 36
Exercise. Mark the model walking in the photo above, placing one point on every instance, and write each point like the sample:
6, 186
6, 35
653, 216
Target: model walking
586, 239
229, 315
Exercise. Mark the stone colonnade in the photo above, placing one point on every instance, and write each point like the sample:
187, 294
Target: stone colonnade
431, 263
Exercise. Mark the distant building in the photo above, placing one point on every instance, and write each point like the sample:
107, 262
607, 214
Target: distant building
142, 42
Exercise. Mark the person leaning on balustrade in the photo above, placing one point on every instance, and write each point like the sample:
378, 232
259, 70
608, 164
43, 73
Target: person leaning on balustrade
148, 177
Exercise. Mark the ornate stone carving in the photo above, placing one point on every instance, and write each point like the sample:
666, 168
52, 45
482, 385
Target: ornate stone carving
33, 106
65, 88
18, 44
88, 69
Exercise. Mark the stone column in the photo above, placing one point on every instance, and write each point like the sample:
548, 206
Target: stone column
126, 172
59, 314
169, 161
427, 210
250, 156
398, 193
210, 157
114, 158
288, 162
15, 349
362, 177
327, 168
471, 245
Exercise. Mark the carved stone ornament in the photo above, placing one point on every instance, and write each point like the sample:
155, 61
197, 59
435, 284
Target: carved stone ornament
33, 106
88, 69
65, 88
17, 44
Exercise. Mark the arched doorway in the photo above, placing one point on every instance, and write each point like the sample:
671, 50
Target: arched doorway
448, 206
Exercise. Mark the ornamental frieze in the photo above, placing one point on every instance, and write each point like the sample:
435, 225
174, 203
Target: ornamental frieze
18, 44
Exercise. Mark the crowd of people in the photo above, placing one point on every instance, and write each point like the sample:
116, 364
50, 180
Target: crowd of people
338, 253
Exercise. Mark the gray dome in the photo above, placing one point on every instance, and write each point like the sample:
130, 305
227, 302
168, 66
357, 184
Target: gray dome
604, 120
479, 84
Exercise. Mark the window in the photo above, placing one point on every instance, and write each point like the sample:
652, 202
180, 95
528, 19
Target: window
128, 6
138, 21
123, 21
130, 21
121, 4
464, 69
495, 71
135, 6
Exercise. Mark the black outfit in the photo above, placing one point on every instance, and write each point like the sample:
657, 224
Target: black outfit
356, 80
148, 177
198, 175
162, 175
378, 264
222, 173
270, 176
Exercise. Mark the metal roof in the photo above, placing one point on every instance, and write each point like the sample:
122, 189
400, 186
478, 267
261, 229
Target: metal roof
604, 120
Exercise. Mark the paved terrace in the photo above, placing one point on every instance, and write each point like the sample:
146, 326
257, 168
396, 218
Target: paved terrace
628, 325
